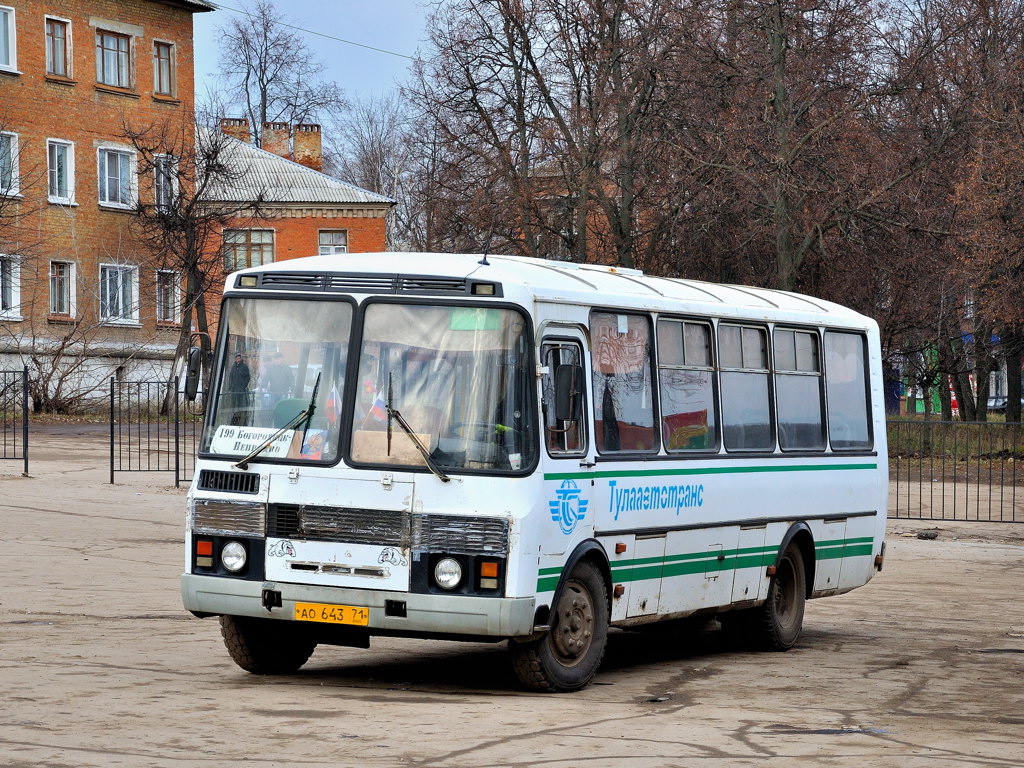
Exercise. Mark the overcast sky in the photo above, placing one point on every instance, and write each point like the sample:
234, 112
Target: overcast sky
391, 25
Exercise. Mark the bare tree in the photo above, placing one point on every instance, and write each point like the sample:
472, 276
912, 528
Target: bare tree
270, 73
192, 170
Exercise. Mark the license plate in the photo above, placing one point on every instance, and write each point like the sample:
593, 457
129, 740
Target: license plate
332, 614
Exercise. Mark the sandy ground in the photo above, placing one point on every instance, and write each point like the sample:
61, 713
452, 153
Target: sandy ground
100, 666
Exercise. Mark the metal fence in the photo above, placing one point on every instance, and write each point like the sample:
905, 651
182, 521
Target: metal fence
942, 470
152, 429
14, 416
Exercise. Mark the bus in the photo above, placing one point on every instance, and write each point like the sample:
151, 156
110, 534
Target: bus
498, 448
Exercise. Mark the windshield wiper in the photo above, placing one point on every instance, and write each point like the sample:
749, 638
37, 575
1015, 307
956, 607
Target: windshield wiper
306, 414
394, 414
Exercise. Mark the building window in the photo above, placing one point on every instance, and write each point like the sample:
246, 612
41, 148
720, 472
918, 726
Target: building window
333, 241
168, 297
62, 288
115, 176
163, 69
247, 248
112, 56
10, 288
57, 46
8, 40
118, 289
8, 163
60, 159
164, 182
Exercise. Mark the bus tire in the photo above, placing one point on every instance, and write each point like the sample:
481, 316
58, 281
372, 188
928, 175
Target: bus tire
266, 646
568, 655
780, 620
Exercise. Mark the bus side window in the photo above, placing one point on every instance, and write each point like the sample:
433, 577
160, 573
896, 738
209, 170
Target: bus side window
623, 397
746, 415
561, 436
849, 425
686, 378
798, 390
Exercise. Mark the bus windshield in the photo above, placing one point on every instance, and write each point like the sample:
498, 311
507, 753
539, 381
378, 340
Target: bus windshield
274, 353
459, 378
452, 382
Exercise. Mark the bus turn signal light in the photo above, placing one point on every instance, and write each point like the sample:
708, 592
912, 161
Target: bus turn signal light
204, 547
489, 570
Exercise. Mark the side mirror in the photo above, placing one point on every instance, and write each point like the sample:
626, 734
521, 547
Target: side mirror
568, 392
193, 371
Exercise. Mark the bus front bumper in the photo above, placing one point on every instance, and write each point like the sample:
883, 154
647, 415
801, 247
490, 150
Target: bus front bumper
424, 614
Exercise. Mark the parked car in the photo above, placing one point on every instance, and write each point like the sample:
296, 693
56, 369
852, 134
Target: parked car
998, 404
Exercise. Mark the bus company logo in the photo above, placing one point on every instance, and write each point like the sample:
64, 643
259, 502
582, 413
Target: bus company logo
568, 509
282, 548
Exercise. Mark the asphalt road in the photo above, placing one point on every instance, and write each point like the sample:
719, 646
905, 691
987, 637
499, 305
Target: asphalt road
100, 666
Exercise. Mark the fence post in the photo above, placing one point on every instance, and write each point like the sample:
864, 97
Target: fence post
24, 417
111, 430
177, 437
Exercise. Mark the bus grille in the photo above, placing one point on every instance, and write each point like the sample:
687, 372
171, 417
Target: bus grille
436, 533
229, 482
356, 526
228, 518
454, 533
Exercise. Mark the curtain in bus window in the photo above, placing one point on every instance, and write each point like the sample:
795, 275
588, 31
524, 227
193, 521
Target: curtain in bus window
623, 408
846, 386
686, 385
746, 416
798, 390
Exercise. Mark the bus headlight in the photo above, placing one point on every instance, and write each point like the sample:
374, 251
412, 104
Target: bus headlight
233, 556
448, 573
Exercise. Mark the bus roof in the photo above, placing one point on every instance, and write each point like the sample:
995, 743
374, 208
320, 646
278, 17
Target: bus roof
559, 281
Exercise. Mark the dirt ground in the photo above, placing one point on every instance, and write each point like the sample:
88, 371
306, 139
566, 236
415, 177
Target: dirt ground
100, 666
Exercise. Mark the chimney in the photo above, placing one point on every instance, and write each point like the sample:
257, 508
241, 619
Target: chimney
235, 127
276, 139
309, 146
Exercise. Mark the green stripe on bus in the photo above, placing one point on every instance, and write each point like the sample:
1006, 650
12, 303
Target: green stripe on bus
706, 471
710, 561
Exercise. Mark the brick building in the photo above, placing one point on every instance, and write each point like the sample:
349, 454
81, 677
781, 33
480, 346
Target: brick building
75, 284
304, 212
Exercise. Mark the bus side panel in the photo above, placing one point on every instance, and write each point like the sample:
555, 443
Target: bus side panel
750, 564
858, 552
699, 569
829, 543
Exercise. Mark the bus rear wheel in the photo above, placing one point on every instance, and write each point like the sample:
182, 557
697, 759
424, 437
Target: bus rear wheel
781, 618
266, 646
568, 655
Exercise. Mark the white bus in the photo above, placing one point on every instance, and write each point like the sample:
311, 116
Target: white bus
501, 448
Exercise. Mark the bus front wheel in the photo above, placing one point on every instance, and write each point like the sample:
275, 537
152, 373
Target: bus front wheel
266, 646
568, 655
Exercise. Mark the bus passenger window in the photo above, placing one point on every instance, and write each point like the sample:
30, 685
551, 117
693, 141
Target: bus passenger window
798, 390
686, 377
846, 386
560, 436
623, 397
746, 416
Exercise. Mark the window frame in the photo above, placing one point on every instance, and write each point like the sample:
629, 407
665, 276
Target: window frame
125, 82
132, 270
10, 264
331, 248
551, 344
70, 286
248, 247
101, 176
15, 188
68, 199
175, 286
711, 368
165, 167
778, 372
68, 72
865, 360
171, 49
12, 40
